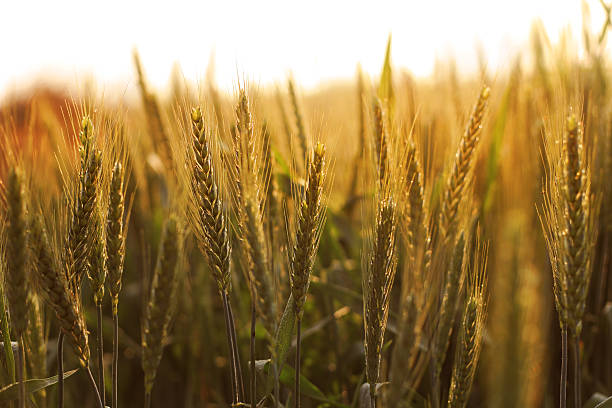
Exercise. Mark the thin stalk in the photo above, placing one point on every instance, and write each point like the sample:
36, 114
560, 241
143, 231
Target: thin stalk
435, 385
297, 362
236, 353
60, 370
563, 385
95, 387
253, 380
230, 343
115, 360
276, 384
101, 356
21, 374
147, 403
231, 353
577, 376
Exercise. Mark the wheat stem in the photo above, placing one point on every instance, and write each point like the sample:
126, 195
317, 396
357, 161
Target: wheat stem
100, 354
253, 373
297, 361
230, 350
60, 370
577, 376
235, 352
94, 386
236, 377
563, 385
115, 368
21, 374
435, 385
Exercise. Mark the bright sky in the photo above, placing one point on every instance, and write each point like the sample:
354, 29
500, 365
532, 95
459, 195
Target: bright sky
316, 40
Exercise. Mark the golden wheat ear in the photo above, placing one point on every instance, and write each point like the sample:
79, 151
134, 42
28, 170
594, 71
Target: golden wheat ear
470, 336
381, 269
209, 220
251, 185
461, 173
311, 215
55, 289
115, 234
84, 207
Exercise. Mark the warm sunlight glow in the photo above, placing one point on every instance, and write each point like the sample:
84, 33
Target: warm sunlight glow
316, 40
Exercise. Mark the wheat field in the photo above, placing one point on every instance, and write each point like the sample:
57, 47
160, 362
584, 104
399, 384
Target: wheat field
384, 241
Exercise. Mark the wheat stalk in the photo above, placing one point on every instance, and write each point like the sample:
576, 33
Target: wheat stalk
378, 282
209, 222
251, 185
97, 276
250, 197
568, 222
115, 249
310, 220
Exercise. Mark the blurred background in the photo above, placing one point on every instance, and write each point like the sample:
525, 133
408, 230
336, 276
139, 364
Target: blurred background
68, 41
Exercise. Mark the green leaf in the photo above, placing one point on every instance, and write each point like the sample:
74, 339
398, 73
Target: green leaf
284, 335
280, 160
605, 404
11, 392
598, 400
307, 388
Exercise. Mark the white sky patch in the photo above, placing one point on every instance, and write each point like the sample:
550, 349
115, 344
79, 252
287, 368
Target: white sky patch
316, 40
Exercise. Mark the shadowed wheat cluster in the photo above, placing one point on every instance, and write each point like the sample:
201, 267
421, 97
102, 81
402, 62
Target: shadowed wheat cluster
392, 242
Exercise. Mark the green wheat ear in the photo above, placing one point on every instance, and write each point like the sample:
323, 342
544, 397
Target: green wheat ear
162, 301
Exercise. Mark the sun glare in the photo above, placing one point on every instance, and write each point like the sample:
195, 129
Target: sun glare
317, 41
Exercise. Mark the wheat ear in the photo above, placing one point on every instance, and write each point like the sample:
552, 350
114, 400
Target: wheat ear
83, 207
470, 337
381, 269
460, 176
